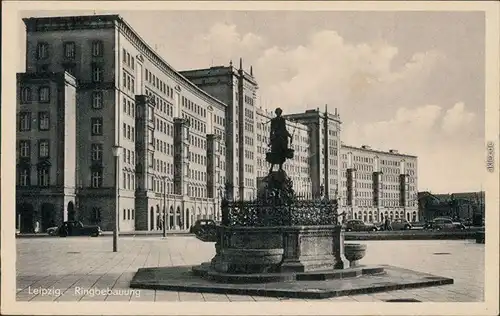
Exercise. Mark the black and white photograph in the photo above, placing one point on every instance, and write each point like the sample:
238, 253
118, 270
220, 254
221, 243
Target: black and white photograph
270, 157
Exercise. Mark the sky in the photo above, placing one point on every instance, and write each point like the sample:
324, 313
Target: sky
411, 81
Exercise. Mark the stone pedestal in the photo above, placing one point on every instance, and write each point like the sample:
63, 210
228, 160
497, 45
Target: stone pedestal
313, 248
279, 249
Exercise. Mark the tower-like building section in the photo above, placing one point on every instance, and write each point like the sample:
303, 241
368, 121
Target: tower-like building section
236, 88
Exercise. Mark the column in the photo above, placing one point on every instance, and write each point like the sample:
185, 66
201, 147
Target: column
211, 164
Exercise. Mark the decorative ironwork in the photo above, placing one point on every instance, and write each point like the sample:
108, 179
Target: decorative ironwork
278, 205
299, 213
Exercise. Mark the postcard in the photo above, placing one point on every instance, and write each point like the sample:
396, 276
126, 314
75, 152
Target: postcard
250, 158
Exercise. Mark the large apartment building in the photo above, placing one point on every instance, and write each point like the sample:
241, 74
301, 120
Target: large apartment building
378, 184
93, 85
126, 96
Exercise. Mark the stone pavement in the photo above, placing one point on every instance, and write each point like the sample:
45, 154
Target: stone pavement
86, 269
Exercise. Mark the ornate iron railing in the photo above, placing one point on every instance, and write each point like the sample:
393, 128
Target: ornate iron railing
297, 213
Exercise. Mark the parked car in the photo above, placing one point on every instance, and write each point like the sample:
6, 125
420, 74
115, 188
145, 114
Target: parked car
200, 224
358, 225
396, 224
76, 228
52, 231
445, 223
401, 224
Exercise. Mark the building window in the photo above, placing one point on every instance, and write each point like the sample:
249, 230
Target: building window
43, 149
42, 51
43, 121
97, 73
96, 179
24, 121
26, 95
96, 150
97, 97
24, 177
69, 50
44, 94
96, 125
97, 49
43, 176
24, 148
96, 215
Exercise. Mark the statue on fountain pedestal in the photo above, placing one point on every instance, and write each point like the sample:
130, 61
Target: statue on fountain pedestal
279, 135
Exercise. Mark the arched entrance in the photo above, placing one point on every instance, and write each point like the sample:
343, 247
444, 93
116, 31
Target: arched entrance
48, 216
414, 217
152, 218
171, 222
71, 211
26, 214
408, 216
187, 219
381, 217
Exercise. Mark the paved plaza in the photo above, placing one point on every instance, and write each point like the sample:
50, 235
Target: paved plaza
86, 269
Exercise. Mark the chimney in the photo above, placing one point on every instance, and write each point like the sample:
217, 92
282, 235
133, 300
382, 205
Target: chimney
393, 151
241, 63
366, 147
251, 71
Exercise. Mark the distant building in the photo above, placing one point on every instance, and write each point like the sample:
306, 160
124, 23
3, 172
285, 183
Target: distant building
92, 84
463, 205
378, 184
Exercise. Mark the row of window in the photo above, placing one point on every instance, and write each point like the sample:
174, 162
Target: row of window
160, 104
129, 132
195, 123
128, 82
24, 176
159, 84
42, 92
193, 107
43, 148
69, 50
128, 107
25, 120
128, 59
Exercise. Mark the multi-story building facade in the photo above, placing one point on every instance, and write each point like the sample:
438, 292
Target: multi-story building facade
324, 149
129, 97
183, 136
46, 138
236, 88
378, 184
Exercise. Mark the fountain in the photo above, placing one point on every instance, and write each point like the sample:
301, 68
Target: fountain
269, 246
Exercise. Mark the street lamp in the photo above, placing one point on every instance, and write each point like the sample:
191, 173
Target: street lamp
164, 226
117, 150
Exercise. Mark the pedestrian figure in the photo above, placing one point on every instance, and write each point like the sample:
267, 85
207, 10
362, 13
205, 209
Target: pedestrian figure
386, 223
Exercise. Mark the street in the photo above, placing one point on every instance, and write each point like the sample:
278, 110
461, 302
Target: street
85, 268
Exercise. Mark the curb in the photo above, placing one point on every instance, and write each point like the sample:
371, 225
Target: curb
110, 234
